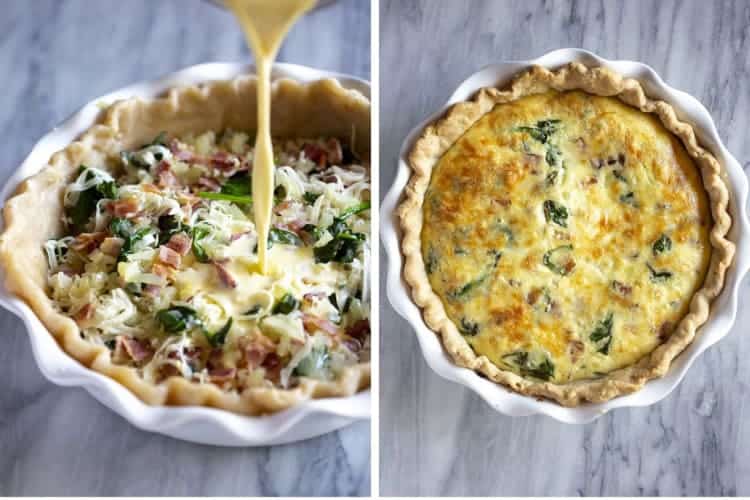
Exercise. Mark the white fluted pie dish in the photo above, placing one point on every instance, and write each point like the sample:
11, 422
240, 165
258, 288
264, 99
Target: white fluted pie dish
198, 424
723, 308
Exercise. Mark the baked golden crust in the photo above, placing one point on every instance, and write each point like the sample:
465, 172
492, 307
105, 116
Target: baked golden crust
439, 137
321, 108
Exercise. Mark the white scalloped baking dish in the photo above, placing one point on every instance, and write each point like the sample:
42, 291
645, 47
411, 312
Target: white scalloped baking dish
197, 424
724, 308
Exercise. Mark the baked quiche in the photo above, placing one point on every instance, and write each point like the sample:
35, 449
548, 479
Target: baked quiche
143, 259
565, 235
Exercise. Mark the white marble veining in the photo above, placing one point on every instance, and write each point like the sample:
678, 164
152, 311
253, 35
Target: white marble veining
56, 55
438, 438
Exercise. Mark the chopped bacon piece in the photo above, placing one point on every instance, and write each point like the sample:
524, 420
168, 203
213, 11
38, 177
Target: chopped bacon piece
178, 153
237, 236
283, 206
164, 175
215, 359
186, 156
359, 330
353, 345
272, 364
225, 161
256, 349
220, 375
314, 295
335, 153
134, 348
315, 154
329, 179
314, 323
621, 288
169, 257
189, 353
152, 290
576, 348
162, 270
296, 225
175, 146
112, 246
224, 275
127, 207
533, 295
87, 242
209, 183
85, 313
180, 243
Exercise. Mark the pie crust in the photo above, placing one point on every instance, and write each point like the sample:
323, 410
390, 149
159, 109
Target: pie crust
438, 137
33, 215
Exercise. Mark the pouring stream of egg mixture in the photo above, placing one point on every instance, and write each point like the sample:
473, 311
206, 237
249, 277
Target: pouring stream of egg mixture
265, 23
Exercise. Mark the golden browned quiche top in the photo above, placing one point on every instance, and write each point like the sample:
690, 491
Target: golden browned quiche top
558, 232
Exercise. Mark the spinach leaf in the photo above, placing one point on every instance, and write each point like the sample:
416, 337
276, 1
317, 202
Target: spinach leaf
619, 176
199, 233
345, 243
285, 305
602, 334
474, 284
284, 237
662, 245
313, 230
310, 198
431, 262
85, 206
124, 229
468, 287
542, 131
238, 185
365, 205
253, 310
177, 318
120, 227
551, 177
317, 361
553, 155
658, 276
468, 327
556, 213
543, 370
629, 199
108, 189
218, 338
559, 260
168, 226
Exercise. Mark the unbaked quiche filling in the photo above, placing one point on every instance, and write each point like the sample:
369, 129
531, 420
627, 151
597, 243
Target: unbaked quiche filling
565, 235
159, 261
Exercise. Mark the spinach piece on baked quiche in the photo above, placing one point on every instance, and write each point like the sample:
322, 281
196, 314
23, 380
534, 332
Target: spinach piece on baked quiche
539, 366
602, 334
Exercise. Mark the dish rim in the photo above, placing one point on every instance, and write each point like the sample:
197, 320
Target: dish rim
191, 423
723, 310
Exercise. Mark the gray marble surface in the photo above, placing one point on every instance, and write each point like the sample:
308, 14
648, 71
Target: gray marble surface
438, 438
55, 55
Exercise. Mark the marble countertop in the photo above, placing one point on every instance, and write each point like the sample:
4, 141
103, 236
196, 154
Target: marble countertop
438, 438
56, 55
